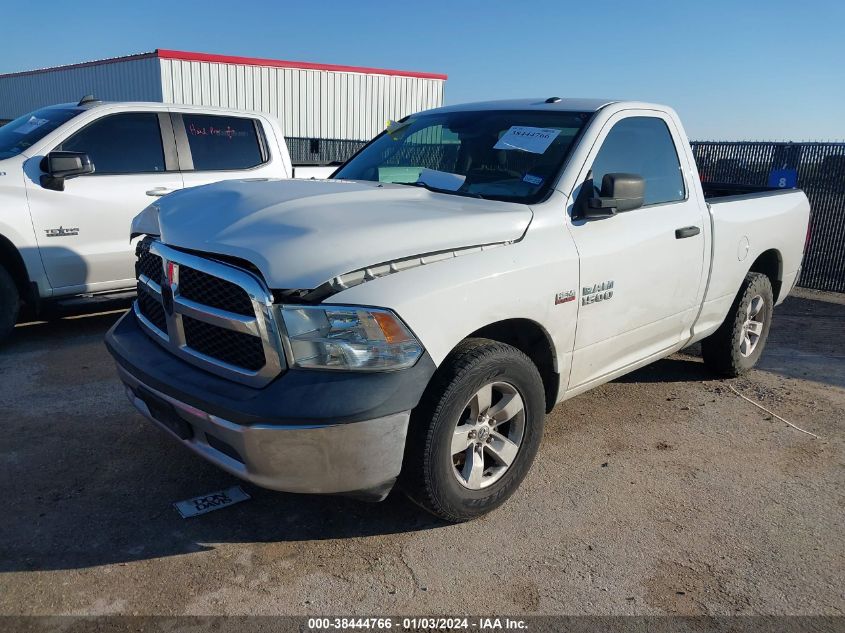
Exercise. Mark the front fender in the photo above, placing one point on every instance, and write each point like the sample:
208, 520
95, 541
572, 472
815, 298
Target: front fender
17, 235
446, 301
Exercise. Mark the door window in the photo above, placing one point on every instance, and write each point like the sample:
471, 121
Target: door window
121, 144
642, 145
222, 142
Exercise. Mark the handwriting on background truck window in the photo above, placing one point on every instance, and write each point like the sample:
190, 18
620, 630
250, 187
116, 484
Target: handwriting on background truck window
229, 132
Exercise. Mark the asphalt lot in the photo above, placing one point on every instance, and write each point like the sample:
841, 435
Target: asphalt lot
662, 492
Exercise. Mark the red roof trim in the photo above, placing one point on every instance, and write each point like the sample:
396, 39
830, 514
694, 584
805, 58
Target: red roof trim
278, 63
229, 59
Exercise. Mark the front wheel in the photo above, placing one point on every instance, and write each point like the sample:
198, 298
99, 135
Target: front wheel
9, 304
736, 346
476, 431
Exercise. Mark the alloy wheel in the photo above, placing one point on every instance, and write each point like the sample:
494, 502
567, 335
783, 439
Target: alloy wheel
752, 329
488, 435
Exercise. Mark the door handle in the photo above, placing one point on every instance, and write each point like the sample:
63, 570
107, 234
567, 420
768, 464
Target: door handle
687, 231
157, 192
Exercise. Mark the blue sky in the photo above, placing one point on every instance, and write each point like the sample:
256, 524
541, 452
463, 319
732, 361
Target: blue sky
733, 70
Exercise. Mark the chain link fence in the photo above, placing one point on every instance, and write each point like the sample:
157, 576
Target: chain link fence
817, 168
321, 151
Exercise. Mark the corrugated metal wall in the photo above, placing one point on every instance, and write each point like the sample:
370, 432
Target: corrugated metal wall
309, 103
125, 80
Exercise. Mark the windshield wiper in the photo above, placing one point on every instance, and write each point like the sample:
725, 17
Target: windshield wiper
425, 185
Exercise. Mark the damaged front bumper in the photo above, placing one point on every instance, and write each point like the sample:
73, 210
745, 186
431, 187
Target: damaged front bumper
307, 432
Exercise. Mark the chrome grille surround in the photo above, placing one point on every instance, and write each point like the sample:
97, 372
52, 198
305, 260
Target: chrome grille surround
262, 325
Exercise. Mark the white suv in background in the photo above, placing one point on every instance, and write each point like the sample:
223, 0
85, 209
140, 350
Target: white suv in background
72, 177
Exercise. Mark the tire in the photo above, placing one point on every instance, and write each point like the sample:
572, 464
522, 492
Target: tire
9, 304
732, 350
459, 486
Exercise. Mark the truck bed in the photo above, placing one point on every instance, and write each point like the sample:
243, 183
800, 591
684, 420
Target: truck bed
757, 223
713, 190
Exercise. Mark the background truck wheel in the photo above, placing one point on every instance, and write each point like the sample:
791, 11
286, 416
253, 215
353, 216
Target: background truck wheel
476, 431
736, 346
9, 304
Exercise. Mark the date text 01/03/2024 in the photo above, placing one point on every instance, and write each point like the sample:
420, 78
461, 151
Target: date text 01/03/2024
416, 623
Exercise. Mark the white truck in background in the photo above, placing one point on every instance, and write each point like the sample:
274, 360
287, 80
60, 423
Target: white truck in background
414, 317
73, 176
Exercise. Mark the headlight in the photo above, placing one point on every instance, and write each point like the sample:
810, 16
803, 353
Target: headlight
340, 337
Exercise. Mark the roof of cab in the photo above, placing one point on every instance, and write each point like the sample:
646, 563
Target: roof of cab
90, 105
562, 104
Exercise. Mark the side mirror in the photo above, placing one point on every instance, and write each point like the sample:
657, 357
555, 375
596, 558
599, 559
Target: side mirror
619, 193
63, 165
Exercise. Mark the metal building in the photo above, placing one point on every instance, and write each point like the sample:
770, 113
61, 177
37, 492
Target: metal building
312, 101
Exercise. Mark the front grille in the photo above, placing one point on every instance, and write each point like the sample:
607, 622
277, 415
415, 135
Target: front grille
213, 291
151, 308
234, 348
215, 317
148, 264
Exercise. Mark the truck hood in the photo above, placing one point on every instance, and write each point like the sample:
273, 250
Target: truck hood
302, 233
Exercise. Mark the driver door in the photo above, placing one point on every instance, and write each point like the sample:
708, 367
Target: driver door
640, 276
83, 231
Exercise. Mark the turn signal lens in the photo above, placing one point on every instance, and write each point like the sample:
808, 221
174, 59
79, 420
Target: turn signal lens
393, 330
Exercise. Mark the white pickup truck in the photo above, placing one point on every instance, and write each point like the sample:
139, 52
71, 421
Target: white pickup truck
414, 317
73, 176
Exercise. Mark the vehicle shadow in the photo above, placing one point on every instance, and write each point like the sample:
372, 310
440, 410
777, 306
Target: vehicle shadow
805, 341
685, 366
85, 525
91, 482
77, 329
38, 327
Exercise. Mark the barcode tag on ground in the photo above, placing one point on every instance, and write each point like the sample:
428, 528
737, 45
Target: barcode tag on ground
213, 501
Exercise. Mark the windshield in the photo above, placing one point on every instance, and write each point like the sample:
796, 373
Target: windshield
502, 155
16, 136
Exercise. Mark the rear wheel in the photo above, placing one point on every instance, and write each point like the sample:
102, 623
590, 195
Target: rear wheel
737, 345
476, 431
9, 304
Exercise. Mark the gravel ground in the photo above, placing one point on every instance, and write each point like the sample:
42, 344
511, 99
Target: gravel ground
660, 493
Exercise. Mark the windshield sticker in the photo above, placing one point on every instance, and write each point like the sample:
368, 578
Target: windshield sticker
28, 126
527, 139
441, 179
532, 180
